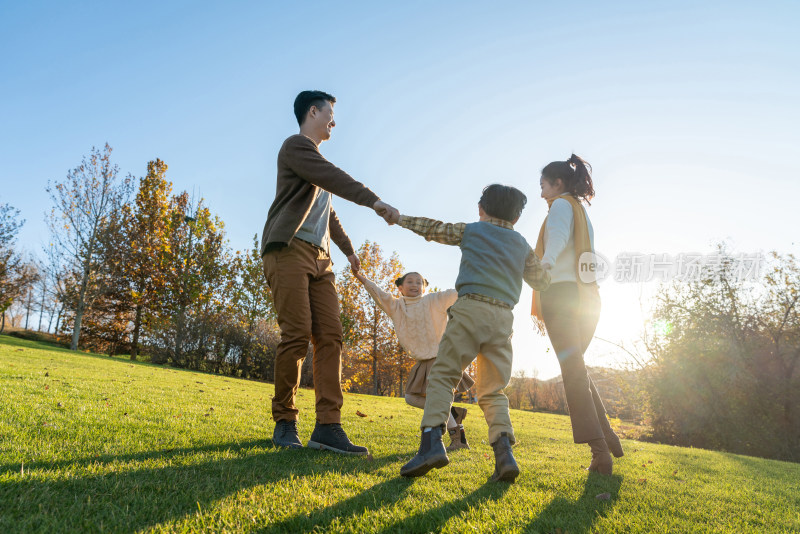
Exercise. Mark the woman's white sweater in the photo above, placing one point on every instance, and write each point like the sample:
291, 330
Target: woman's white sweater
418, 321
559, 241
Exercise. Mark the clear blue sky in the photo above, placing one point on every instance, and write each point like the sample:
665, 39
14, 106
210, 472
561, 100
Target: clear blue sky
688, 112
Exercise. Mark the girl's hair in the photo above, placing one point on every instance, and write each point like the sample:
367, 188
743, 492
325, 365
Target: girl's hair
399, 281
575, 174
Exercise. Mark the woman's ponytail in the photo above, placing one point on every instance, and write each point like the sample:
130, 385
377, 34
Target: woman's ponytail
583, 187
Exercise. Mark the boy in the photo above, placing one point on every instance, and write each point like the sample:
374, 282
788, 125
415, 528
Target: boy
494, 261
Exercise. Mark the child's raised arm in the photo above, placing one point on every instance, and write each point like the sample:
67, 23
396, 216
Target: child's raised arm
385, 301
445, 299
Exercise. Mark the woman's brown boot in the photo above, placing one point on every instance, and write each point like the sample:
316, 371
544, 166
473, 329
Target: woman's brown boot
614, 445
601, 457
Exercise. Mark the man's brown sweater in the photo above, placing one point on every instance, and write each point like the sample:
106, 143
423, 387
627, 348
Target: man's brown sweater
301, 170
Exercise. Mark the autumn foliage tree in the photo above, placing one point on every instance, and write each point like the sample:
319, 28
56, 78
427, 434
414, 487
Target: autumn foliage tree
147, 242
196, 260
374, 360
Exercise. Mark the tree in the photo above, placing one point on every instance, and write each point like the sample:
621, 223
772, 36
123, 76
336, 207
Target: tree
89, 198
146, 237
250, 300
368, 332
725, 357
15, 274
196, 262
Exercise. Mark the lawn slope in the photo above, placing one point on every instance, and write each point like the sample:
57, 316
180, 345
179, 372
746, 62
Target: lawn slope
92, 443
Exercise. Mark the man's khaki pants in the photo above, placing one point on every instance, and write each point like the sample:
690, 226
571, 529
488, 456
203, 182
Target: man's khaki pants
475, 329
307, 306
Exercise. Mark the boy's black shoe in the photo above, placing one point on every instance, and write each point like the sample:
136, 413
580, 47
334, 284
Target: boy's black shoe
431, 454
505, 466
331, 437
285, 435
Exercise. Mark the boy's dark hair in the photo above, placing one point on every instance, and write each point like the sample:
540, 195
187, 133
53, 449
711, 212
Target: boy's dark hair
306, 99
503, 202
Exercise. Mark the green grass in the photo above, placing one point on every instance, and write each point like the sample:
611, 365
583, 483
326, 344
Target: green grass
91, 443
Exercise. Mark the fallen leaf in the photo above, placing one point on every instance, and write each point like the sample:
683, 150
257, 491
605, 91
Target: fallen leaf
642, 481
358, 413
649, 461
369, 457
675, 472
47, 387
603, 497
47, 374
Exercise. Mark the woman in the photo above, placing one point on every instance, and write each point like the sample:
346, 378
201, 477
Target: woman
570, 307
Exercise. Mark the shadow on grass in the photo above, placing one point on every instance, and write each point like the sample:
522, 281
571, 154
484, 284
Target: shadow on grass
564, 515
376, 497
433, 520
387, 493
53, 498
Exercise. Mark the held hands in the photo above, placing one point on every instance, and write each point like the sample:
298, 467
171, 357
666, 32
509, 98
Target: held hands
357, 275
546, 266
355, 264
389, 213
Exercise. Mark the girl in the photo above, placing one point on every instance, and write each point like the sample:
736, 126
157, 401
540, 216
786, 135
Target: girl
570, 307
419, 321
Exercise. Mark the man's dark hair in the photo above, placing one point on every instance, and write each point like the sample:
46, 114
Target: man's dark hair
306, 99
503, 202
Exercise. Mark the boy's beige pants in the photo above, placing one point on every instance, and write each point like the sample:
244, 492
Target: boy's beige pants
475, 329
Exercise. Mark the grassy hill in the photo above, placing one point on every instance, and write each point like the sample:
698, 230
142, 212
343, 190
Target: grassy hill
91, 443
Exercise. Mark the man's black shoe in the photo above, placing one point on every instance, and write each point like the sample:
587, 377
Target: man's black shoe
331, 437
505, 466
431, 454
285, 435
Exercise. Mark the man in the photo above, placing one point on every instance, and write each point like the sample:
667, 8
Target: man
295, 249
